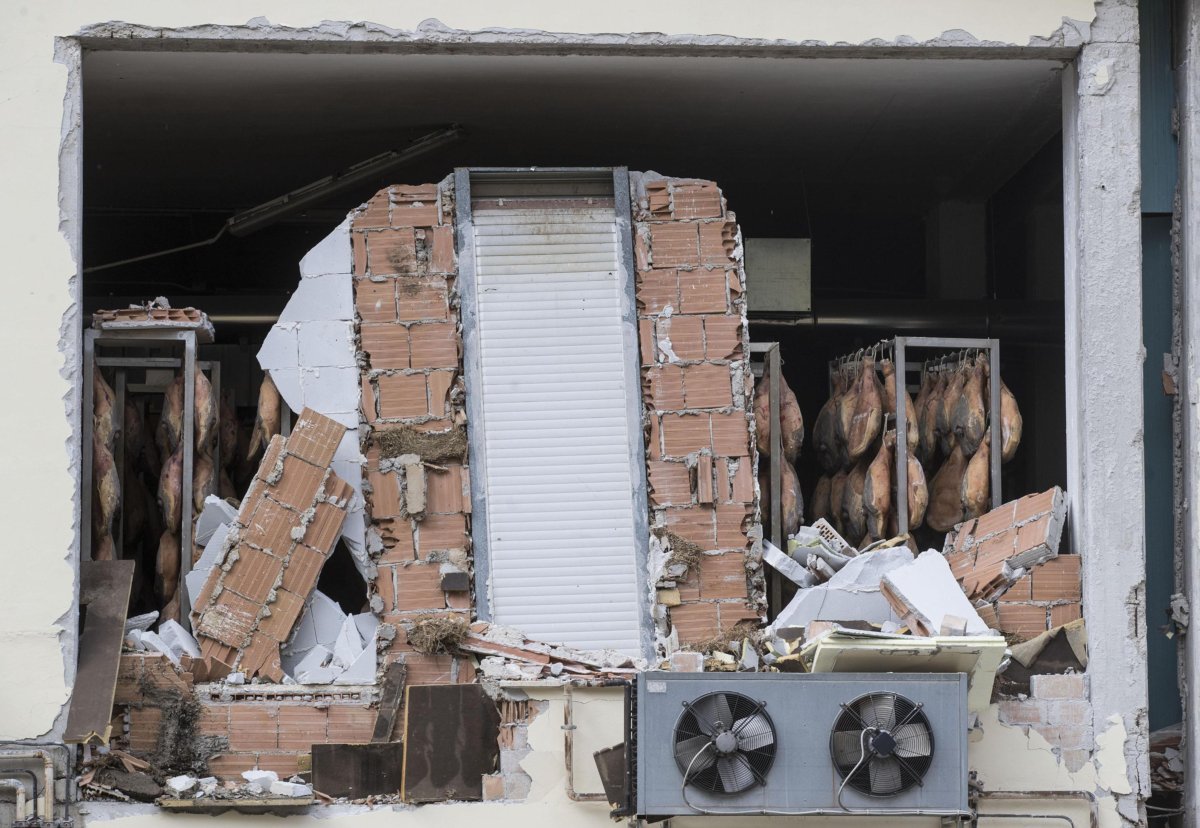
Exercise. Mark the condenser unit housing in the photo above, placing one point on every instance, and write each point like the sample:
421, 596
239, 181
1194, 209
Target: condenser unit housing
787, 743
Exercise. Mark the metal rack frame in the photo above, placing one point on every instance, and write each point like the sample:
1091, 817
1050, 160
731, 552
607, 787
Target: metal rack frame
900, 346
770, 363
146, 338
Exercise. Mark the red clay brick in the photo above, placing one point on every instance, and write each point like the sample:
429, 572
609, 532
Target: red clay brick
1057, 579
440, 383
214, 720
284, 764
730, 435
666, 387
444, 489
654, 436
1033, 535
402, 396
685, 433
419, 587
392, 252
434, 345
301, 727
696, 199
437, 532
686, 334
1021, 589
351, 725
742, 483
704, 478
646, 342
441, 249
358, 244
695, 622
376, 301
428, 669
657, 289
422, 299
374, 214
733, 613
674, 245
144, 726
723, 576
1034, 504
1065, 613
731, 518
1021, 620
414, 207
385, 494
995, 520
670, 483
717, 242
694, 523
703, 291
252, 727
723, 337
707, 386
303, 569
397, 534
689, 587
229, 766
386, 346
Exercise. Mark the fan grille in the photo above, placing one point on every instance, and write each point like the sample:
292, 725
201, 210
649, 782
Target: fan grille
704, 748
882, 744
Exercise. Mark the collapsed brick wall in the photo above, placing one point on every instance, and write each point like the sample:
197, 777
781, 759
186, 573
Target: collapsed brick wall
413, 418
697, 397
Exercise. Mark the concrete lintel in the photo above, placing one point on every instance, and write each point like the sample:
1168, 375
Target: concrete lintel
432, 37
1104, 355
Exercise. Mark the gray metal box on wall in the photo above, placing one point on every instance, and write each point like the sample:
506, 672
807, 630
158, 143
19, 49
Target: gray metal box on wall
778, 275
904, 736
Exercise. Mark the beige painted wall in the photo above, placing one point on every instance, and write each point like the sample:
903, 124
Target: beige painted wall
37, 586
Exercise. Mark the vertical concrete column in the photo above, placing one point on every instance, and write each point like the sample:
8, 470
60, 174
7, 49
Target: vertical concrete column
1188, 107
1104, 354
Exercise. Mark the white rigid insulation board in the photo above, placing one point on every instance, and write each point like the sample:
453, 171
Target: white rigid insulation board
556, 425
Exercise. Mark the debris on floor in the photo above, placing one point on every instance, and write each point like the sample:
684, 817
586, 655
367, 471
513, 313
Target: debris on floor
1167, 760
509, 655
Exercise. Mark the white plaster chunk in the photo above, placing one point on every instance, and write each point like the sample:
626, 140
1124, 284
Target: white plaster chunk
349, 644
362, 671
331, 255
178, 639
280, 349
851, 594
326, 343
260, 777
787, 566
141, 622
367, 624
195, 579
280, 788
153, 641
216, 512
181, 784
928, 588
327, 618
333, 392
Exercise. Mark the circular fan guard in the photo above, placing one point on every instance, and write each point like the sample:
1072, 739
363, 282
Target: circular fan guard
724, 743
882, 744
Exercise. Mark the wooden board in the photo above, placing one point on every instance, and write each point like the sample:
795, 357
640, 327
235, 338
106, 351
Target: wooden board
260, 805
390, 697
450, 742
104, 588
357, 771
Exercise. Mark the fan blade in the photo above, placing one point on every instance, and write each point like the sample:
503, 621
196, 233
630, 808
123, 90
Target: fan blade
735, 775
878, 711
754, 732
912, 740
711, 711
885, 775
847, 747
687, 750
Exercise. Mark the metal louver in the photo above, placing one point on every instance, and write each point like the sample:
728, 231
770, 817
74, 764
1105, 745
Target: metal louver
724, 743
882, 744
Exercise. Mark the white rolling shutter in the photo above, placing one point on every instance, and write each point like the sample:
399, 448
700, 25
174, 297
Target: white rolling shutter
556, 424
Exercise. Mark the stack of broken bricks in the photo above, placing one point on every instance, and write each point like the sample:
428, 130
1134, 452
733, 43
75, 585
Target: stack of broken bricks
284, 532
506, 654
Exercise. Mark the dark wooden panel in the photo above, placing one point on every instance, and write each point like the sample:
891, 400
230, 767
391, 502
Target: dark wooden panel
356, 771
390, 697
450, 733
103, 600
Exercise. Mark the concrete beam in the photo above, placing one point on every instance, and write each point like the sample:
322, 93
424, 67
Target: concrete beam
1104, 355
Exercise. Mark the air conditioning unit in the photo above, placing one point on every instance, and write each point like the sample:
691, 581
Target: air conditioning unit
787, 743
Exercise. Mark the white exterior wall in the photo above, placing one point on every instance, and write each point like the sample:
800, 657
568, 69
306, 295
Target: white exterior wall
39, 331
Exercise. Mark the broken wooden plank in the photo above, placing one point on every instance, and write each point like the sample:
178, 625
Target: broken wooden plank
357, 771
104, 588
390, 697
450, 742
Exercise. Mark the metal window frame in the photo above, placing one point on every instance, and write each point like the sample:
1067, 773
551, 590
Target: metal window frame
473, 373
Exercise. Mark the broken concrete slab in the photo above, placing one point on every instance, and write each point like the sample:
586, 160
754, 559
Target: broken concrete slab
852, 593
924, 593
348, 645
